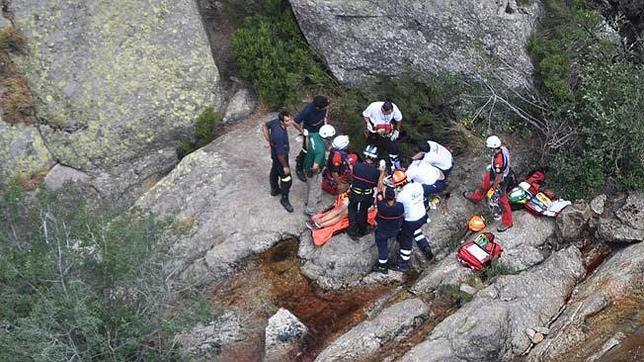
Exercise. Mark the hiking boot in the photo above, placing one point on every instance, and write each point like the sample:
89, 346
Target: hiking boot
400, 268
300, 174
428, 253
353, 235
380, 268
275, 192
503, 228
287, 205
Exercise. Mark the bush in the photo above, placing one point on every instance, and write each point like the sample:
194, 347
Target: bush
495, 269
206, 129
77, 284
593, 89
12, 40
16, 100
269, 51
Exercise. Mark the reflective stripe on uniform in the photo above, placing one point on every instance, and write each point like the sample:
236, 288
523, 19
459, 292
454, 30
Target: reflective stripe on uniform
286, 179
381, 261
405, 252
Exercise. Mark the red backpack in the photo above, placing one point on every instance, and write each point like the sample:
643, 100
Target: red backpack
478, 252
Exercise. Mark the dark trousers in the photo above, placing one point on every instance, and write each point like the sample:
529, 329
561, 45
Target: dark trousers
411, 230
385, 144
279, 180
382, 242
431, 190
359, 204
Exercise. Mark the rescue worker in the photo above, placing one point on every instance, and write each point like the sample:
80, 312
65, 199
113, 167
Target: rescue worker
338, 166
410, 194
435, 154
498, 175
389, 218
366, 176
309, 121
276, 135
431, 178
313, 164
383, 120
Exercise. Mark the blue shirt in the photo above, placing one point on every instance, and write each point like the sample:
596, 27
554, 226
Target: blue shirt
278, 137
365, 176
389, 218
312, 118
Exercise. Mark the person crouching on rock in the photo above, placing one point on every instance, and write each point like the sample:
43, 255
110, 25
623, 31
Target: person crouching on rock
410, 194
435, 154
309, 122
366, 176
276, 135
432, 178
389, 218
313, 164
498, 172
338, 168
383, 121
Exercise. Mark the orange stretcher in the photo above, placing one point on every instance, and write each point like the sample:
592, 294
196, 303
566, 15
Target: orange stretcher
321, 236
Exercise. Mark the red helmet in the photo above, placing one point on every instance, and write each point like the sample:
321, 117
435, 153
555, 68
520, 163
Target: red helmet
399, 178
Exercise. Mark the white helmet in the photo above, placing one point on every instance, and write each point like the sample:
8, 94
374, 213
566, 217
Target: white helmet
340, 142
327, 131
493, 142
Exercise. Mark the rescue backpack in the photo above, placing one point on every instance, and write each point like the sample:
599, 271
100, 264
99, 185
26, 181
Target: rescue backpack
479, 251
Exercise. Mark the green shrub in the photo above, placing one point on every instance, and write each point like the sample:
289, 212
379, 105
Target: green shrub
270, 51
77, 284
496, 268
207, 127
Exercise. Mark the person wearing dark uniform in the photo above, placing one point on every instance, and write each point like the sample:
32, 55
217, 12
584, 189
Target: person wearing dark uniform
338, 168
309, 121
365, 178
390, 219
276, 135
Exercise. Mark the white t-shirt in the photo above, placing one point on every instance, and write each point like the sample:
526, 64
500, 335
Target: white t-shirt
438, 156
411, 196
423, 173
374, 113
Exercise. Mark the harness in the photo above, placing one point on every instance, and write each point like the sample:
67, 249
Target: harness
505, 166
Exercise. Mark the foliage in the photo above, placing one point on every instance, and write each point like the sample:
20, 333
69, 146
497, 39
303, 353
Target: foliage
496, 268
16, 100
11, 40
77, 284
206, 130
592, 89
270, 51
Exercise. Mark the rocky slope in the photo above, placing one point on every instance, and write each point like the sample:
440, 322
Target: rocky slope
358, 39
115, 84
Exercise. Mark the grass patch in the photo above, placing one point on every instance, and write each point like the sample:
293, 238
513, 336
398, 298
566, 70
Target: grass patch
16, 100
207, 127
11, 40
495, 269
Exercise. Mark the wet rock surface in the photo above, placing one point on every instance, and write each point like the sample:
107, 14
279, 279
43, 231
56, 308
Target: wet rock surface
503, 310
365, 339
115, 83
358, 39
607, 302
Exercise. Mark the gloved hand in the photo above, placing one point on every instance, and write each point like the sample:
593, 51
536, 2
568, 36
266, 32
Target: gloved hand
394, 135
305, 132
382, 165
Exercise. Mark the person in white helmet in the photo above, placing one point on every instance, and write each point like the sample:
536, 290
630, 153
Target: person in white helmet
499, 176
318, 143
338, 165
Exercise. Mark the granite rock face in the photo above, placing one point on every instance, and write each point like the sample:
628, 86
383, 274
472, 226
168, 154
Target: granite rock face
283, 335
358, 39
115, 83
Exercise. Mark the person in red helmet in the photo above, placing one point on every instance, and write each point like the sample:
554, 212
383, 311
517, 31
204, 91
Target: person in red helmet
498, 176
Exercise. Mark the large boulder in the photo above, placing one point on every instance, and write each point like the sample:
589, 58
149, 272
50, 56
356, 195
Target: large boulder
628, 224
23, 150
363, 341
283, 335
115, 83
524, 244
475, 38
572, 220
493, 326
600, 307
219, 208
